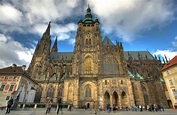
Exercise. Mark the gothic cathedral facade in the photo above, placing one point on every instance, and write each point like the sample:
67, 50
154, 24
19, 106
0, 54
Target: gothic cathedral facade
97, 71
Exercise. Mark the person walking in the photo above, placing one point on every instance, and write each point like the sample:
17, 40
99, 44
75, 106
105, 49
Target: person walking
48, 106
59, 108
9, 105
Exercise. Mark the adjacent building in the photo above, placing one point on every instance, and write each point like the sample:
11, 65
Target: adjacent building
169, 72
16, 83
97, 71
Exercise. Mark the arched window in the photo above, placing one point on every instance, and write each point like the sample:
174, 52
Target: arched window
88, 64
87, 91
88, 41
38, 95
50, 92
109, 65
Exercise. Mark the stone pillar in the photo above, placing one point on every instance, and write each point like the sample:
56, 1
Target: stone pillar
120, 100
43, 97
76, 93
111, 100
55, 97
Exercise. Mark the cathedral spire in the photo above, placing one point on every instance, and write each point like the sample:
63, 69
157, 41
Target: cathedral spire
88, 16
54, 48
47, 32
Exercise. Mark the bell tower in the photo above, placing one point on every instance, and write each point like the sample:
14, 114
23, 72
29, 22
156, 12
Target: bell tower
87, 47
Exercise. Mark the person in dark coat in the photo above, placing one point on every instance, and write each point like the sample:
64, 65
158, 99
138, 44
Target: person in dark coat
59, 105
9, 105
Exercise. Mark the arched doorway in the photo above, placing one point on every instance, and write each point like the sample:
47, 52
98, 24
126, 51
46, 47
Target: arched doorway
124, 99
115, 98
106, 98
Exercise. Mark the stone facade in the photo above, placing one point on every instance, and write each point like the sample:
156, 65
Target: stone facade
98, 71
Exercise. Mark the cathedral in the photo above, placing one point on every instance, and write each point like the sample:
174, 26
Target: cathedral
96, 72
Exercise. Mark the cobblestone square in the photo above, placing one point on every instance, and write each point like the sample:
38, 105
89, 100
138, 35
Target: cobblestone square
87, 112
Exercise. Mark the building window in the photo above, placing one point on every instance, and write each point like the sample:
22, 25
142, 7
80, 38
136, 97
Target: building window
88, 91
174, 93
106, 82
121, 82
2, 87
6, 77
88, 64
167, 72
11, 87
15, 77
171, 82
50, 92
8, 97
38, 95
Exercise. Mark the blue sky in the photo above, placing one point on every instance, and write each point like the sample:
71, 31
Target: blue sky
140, 25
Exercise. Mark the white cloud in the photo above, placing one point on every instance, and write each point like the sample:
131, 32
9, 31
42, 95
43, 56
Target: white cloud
169, 54
9, 14
176, 38
3, 38
130, 17
13, 52
72, 41
174, 42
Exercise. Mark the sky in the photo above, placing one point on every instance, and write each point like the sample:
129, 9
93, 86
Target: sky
141, 25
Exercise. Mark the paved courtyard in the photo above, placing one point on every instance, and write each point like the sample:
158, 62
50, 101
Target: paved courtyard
87, 112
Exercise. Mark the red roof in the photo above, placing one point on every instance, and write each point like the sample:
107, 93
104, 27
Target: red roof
11, 69
170, 63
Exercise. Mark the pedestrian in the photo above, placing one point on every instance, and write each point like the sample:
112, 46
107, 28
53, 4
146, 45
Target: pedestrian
59, 108
94, 108
69, 107
9, 105
48, 106
108, 108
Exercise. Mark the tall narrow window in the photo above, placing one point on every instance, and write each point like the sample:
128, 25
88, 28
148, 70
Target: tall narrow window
88, 91
38, 95
171, 82
2, 87
86, 42
89, 41
88, 64
50, 92
11, 87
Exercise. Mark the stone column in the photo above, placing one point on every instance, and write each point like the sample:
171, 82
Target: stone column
120, 100
43, 97
111, 100
55, 97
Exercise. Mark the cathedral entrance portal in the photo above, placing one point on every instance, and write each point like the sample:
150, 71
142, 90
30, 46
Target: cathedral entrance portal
115, 98
106, 98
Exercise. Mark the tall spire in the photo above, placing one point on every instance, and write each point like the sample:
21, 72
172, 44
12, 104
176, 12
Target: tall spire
88, 16
47, 32
54, 48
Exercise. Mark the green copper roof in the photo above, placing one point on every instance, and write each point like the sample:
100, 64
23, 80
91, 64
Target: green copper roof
56, 56
88, 17
42, 78
134, 55
64, 76
107, 41
131, 75
161, 80
139, 76
53, 78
